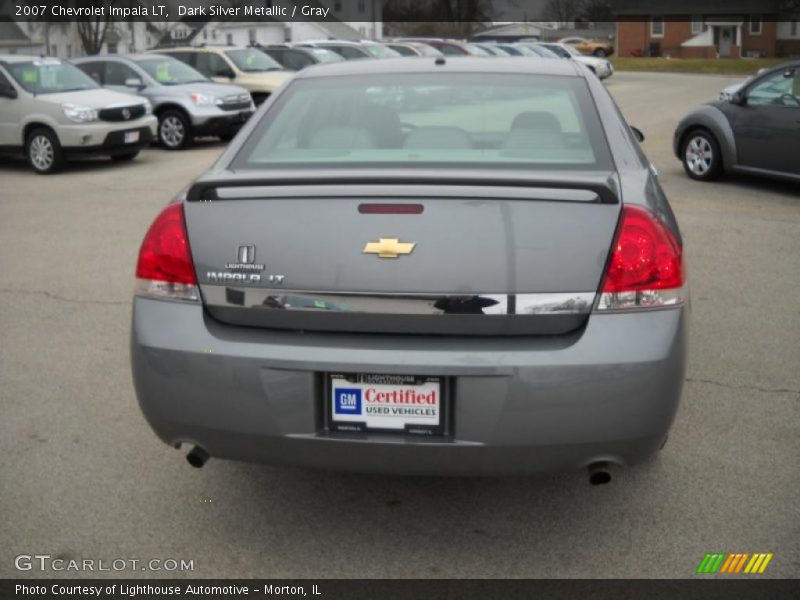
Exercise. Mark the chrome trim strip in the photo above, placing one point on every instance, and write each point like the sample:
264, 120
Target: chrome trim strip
398, 304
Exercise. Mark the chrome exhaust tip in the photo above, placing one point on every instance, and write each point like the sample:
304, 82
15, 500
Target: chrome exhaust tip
598, 473
197, 457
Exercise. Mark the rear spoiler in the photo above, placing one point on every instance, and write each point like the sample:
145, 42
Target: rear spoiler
565, 186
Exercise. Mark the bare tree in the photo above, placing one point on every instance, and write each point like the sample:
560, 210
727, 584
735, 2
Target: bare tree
448, 18
93, 31
596, 11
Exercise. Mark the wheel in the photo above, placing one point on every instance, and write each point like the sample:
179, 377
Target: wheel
174, 130
125, 157
44, 152
702, 159
599, 53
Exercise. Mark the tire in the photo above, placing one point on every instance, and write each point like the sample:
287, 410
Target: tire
600, 53
701, 156
125, 157
44, 152
174, 130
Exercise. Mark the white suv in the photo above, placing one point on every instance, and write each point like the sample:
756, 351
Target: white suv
53, 111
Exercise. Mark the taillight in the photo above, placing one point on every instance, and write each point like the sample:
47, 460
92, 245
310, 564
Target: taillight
165, 268
645, 269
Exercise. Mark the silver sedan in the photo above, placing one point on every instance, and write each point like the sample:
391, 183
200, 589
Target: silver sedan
419, 266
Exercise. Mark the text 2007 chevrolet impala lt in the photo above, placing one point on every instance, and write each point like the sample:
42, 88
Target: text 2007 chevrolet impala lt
418, 266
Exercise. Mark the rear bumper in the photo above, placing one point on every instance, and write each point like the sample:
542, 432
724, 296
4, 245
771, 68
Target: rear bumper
520, 406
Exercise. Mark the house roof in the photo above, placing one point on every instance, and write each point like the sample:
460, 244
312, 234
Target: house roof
622, 8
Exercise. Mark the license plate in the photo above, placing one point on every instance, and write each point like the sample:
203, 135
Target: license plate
389, 403
131, 137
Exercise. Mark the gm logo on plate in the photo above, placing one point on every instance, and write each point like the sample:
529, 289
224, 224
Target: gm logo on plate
347, 401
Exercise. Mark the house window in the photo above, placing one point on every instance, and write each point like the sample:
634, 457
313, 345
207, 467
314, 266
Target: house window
755, 25
697, 25
53, 50
229, 39
112, 48
253, 36
205, 34
657, 27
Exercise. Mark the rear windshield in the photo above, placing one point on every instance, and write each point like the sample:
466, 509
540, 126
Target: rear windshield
419, 119
50, 76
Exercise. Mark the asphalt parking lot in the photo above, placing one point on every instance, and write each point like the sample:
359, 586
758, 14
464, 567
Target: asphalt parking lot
83, 477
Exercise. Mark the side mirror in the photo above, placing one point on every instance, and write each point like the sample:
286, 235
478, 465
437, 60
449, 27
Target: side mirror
134, 82
637, 133
8, 91
738, 98
225, 73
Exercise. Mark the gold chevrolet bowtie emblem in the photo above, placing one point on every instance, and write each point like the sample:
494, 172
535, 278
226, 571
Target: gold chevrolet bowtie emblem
388, 248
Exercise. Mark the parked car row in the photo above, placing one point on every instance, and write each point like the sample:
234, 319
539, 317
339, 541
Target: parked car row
287, 54
113, 105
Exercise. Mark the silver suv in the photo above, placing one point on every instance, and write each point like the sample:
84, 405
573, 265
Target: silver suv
52, 111
186, 103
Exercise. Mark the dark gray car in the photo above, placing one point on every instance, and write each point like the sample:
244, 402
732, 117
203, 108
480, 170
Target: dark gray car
186, 103
755, 130
489, 282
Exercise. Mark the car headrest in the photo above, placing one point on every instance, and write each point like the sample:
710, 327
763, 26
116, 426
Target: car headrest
536, 119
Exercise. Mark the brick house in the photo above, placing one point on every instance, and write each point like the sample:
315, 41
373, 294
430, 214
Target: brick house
705, 29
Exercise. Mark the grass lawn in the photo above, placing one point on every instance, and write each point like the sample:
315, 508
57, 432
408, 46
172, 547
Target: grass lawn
722, 66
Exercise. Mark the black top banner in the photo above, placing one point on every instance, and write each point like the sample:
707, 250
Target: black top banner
452, 11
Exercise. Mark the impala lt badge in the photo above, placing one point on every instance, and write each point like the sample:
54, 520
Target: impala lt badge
389, 248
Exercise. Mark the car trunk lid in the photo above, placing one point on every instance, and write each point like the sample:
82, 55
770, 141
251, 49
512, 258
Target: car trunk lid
426, 255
